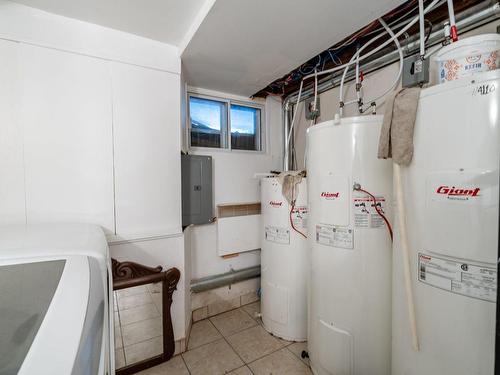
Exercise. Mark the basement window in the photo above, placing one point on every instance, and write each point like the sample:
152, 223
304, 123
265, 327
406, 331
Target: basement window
224, 124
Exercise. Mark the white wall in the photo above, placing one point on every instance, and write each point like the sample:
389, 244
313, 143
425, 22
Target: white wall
90, 132
373, 84
234, 183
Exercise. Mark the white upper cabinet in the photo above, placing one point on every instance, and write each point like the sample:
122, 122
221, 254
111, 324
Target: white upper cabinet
12, 207
66, 115
146, 120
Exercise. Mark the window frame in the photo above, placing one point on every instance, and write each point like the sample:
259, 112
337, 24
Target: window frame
226, 132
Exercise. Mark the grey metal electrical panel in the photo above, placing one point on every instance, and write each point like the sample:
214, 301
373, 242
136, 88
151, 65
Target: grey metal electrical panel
197, 198
415, 71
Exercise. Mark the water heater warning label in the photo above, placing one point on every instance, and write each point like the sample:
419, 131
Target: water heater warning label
278, 235
458, 277
331, 235
365, 213
299, 217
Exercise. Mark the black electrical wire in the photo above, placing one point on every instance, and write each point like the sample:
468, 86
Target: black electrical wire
429, 23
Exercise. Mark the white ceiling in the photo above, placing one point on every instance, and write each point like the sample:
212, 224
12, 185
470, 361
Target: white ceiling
233, 46
167, 21
243, 45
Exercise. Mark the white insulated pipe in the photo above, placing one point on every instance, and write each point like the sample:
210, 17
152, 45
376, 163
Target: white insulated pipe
401, 213
375, 50
290, 131
453, 25
421, 28
394, 83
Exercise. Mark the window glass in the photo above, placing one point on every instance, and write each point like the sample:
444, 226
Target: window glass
245, 128
208, 122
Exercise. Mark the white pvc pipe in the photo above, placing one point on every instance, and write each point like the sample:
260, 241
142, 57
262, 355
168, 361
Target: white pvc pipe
346, 69
401, 213
398, 76
422, 27
315, 103
358, 80
290, 132
401, 58
453, 25
375, 50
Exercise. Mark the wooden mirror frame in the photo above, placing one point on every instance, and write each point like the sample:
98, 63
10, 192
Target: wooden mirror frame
130, 274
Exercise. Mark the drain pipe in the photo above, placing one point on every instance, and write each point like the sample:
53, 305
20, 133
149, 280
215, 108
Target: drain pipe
286, 130
467, 20
228, 278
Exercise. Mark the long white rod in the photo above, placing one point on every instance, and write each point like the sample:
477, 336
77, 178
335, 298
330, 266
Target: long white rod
290, 132
421, 27
405, 256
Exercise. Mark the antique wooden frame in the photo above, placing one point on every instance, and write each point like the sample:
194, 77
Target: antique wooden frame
130, 274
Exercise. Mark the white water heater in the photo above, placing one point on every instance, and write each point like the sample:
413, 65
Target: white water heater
450, 192
284, 261
351, 255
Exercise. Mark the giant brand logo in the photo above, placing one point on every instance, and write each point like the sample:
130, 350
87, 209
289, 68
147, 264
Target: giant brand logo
330, 196
453, 192
275, 204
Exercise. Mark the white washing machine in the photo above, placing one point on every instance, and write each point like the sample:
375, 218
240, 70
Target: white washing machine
55, 298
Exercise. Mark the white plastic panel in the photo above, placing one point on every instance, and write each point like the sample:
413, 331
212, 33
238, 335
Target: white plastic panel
238, 234
279, 296
66, 116
146, 122
12, 208
338, 341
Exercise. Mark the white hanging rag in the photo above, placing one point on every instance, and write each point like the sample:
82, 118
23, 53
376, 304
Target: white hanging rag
396, 135
289, 181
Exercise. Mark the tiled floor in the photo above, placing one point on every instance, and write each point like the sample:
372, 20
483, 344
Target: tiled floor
138, 327
234, 343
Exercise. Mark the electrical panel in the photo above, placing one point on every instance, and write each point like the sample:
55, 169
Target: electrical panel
197, 192
415, 71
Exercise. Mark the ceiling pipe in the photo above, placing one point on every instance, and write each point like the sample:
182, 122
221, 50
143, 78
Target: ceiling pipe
467, 20
453, 25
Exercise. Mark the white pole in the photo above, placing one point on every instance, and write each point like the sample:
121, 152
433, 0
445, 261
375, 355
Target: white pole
405, 255
422, 28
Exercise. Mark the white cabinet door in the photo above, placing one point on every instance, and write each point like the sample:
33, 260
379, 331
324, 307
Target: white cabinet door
67, 120
146, 122
12, 207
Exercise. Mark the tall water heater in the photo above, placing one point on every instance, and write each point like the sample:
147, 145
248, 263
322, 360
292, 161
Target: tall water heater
284, 261
450, 192
351, 255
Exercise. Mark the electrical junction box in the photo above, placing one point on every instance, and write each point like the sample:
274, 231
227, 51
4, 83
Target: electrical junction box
197, 192
310, 113
415, 71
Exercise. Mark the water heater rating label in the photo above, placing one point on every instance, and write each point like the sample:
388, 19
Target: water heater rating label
458, 277
331, 235
299, 217
365, 213
278, 235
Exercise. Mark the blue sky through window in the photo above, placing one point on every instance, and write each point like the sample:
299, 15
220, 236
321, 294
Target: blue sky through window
210, 113
243, 119
206, 112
